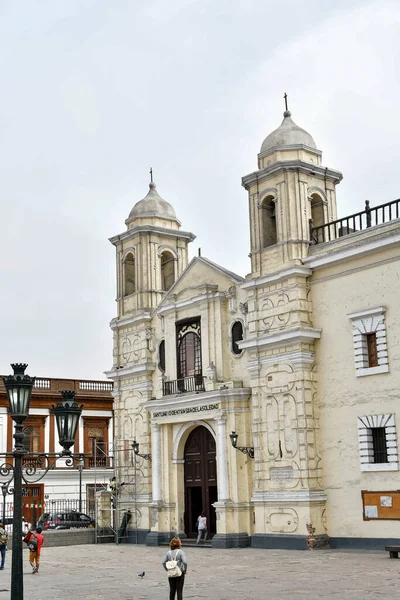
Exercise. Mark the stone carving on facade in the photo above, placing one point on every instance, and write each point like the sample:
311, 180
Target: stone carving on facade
126, 350
136, 339
150, 338
268, 320
282, 520
162, 323
244, 309
283, 300
230, 294
211, 372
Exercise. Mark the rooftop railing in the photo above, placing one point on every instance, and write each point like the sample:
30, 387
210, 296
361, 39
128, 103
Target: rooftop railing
370, 217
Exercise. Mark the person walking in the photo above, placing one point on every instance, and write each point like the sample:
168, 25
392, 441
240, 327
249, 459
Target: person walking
176, 583
34, 554
3, 545
201, 527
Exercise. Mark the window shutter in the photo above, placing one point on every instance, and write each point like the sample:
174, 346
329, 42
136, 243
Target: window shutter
372, 350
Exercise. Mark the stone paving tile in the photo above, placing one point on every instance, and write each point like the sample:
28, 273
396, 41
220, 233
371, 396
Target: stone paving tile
110, 572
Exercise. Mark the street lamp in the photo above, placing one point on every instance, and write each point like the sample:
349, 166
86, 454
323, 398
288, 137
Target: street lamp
249, 450
135, 448
80, 466
67, 412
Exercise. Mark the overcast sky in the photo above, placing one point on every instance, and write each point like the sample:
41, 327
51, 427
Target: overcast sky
93, 92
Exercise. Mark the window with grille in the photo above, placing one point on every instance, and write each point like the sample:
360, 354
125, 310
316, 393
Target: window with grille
237, 336
377, 440
189, 348
379, 444
161, 356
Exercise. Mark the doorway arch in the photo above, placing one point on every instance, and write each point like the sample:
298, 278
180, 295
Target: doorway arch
200, 477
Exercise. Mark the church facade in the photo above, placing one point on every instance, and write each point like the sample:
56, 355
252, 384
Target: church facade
266, 401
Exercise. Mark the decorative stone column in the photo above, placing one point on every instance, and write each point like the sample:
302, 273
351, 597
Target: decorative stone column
222, 460
156, 462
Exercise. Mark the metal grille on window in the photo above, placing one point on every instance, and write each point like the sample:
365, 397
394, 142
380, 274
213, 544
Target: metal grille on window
237, 336
189, 349
379, 445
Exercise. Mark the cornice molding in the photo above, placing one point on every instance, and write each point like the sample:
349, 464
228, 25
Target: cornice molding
291, 165
282, 338
208, 296
119, 322
118, 374
298, 270
181, 402
300, 357
360, 248
173, 233
290, 496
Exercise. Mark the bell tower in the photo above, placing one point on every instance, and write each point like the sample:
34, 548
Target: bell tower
151, 254
289, 188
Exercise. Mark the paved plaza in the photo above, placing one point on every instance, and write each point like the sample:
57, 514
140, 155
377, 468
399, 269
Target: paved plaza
109, 572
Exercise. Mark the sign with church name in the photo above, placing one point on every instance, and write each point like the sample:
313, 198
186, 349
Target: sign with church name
184, 411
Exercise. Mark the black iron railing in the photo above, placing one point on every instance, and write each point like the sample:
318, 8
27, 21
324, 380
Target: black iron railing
357, 222
195, 383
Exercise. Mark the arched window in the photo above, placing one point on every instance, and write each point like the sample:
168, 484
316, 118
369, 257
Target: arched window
161, 356
130, 274
236, 336
317, 211
268, 223
167, 270
189, 355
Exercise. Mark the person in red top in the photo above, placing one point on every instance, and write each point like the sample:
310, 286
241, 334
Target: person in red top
34, 555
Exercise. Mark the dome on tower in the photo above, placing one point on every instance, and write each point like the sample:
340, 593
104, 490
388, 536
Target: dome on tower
288, 135
152, 206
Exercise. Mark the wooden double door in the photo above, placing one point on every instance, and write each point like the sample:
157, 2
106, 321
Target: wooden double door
200, 480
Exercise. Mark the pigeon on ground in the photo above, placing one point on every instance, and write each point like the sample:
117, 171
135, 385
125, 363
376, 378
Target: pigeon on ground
141, 574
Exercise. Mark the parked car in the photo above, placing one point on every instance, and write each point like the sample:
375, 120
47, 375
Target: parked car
64, 520
8, 523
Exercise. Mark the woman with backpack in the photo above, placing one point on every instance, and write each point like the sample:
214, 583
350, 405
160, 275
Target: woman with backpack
176, 566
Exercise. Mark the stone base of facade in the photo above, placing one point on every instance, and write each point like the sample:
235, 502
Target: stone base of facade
281, 542
230, 540
352, 543
157, 538
134, 536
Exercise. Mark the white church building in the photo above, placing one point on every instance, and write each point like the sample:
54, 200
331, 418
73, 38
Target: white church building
300, 359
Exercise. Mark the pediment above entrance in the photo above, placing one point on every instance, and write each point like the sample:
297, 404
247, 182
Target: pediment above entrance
207, 405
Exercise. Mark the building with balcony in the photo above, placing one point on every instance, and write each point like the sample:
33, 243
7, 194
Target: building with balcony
63, 482
300, 358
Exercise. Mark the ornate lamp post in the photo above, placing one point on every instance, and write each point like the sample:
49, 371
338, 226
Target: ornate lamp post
19, 388
67, 413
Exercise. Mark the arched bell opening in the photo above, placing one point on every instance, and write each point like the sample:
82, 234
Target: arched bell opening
268, 222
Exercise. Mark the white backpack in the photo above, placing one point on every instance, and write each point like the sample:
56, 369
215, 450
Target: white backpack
172, 567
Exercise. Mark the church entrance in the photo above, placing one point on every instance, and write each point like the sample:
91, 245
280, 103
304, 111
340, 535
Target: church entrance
200, 480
